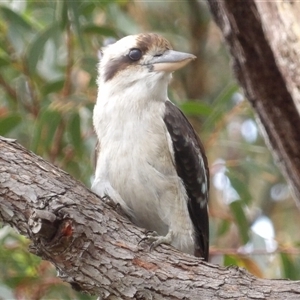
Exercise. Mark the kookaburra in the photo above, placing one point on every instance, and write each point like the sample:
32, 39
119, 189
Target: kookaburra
150, 160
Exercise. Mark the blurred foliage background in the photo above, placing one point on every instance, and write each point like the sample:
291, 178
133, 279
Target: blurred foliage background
48, 68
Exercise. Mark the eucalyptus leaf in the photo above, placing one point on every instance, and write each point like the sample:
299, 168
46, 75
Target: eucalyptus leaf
223, 227
74, 7
238, 182
36, 48
290, 269
230, 260
45, 128
75, 133
4, 61
14, 18
237, 209
102, 30
193, 108
220, 103
89, 64
9, 122
53, 86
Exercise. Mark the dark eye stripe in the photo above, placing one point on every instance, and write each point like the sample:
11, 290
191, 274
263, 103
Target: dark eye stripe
118, 64
114, 66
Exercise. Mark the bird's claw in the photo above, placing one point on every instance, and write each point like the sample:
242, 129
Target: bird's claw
149, 236
155, 239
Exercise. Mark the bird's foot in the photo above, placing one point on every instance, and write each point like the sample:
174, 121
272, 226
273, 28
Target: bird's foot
154, 239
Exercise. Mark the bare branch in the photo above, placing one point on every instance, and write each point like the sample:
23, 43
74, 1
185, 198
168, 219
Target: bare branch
96, 250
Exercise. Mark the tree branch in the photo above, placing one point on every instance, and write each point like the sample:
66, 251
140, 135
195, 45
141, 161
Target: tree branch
97, 250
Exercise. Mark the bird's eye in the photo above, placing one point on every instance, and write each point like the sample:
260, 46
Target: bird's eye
135, 54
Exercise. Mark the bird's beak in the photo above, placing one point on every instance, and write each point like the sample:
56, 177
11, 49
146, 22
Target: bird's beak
171, 61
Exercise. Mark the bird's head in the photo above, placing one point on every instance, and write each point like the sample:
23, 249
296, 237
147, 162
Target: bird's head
143, 61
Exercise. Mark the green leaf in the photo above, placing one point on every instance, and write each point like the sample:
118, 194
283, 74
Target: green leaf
230, 260
13, 18
89, 64
220, 104
239, 183
102, 30
74, 8
17, 31
75, 133
223, 227
4, 61
237, 209
255, 168
53, 86
45, 128
290, 268
61, 12
9, 122
36, 48
88, 8
226, 94
193, 108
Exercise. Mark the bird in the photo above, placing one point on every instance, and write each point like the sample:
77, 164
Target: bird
150, 161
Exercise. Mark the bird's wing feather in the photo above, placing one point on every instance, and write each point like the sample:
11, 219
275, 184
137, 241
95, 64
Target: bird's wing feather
192, 168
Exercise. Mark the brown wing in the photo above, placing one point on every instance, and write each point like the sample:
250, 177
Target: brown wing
192, 168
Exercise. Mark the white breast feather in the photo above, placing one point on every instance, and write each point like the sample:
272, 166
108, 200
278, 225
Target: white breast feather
135, 166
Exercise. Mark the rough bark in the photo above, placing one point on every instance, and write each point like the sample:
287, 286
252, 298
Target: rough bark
97, 250
264, 39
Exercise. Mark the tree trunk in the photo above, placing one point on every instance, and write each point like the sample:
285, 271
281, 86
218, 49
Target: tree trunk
97, 250
264, 41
